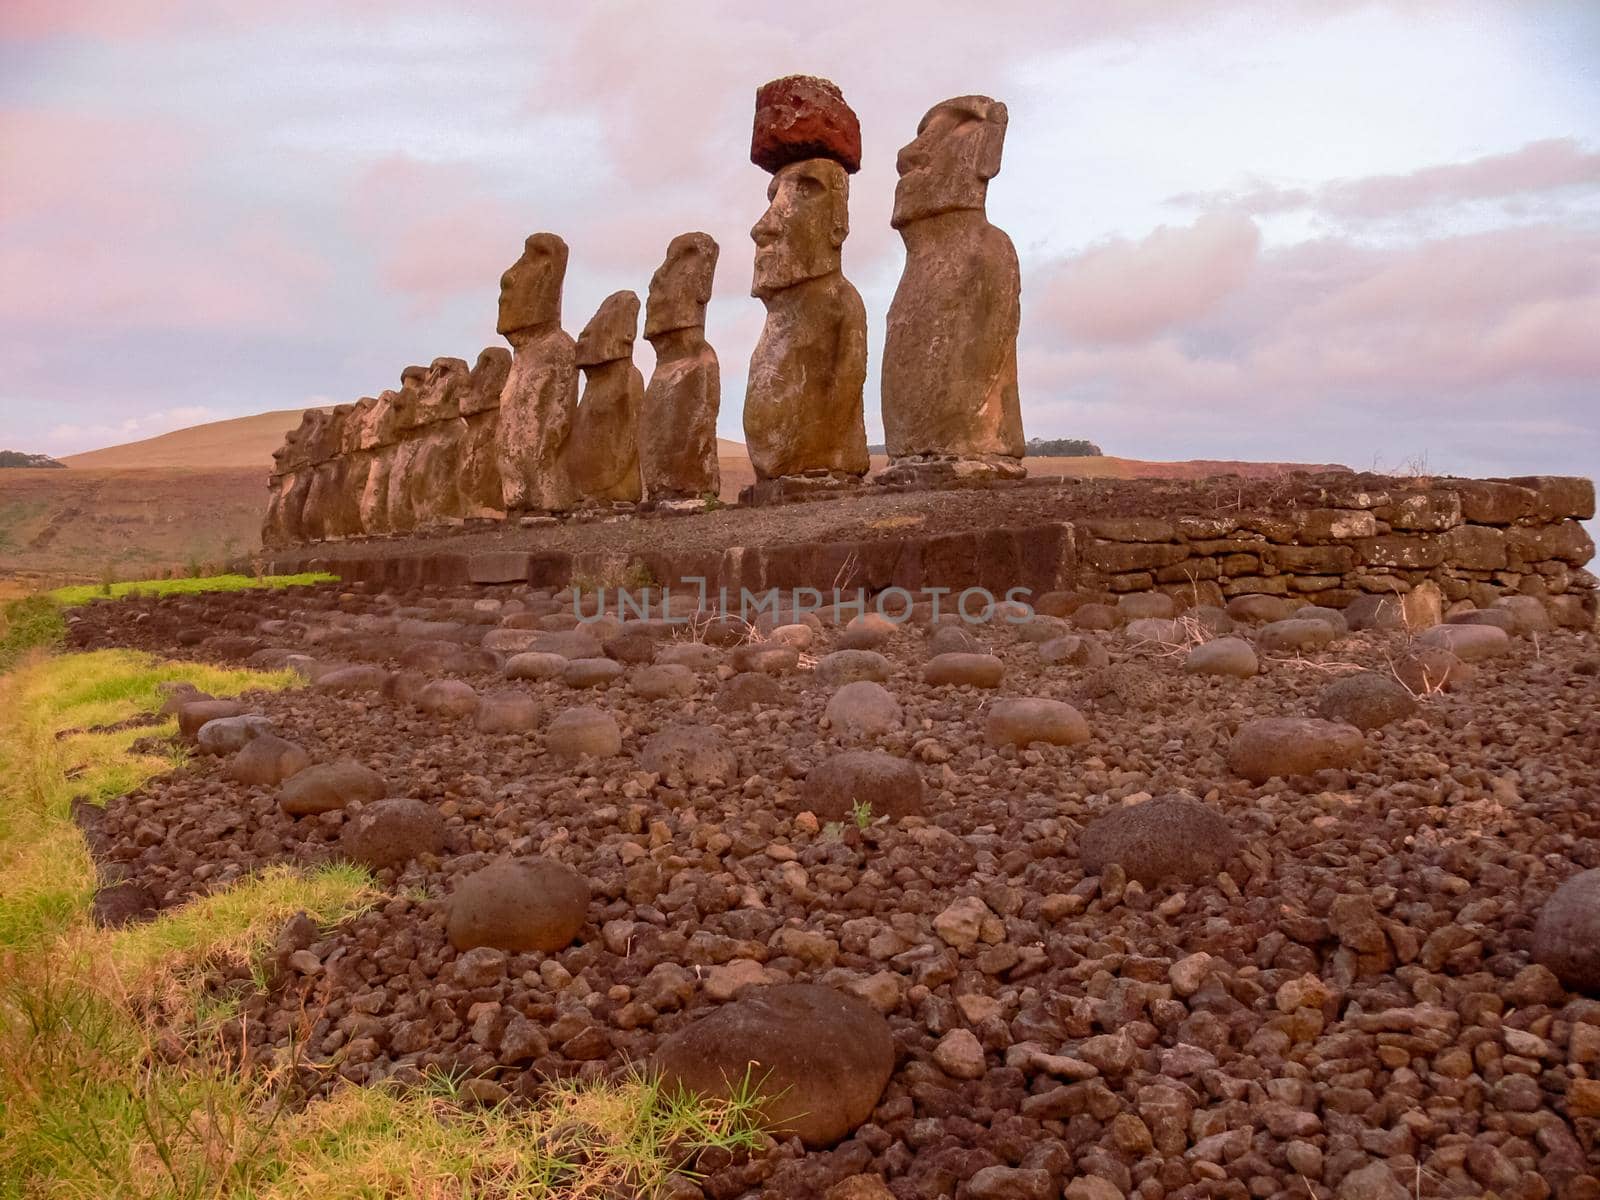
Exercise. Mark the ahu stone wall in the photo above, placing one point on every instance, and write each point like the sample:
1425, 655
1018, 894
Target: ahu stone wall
1475, 541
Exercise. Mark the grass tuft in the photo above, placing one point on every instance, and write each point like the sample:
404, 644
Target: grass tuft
68, 597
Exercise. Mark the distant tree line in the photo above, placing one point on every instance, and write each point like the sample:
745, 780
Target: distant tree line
1043, 448
16, 458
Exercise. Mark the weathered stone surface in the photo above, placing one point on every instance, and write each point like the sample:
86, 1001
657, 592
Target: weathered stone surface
822, 1058
450, 698
541, 392
267, 761
328, 786
1367, 700
228, 735
390, 833
863, 709
1429, 669
1293, 746
1224, 656
950, 357
1257, 609
579, 731
1469, 643
1074, 650
433, 483
518, 905
678, 417
1019, 721
663, 681
482, 494
499, 566
890, 786
847, 666
507, 712
690, 754
803, 407
1170, 837
535, 664
1566, 937
602, 454
195, 715
974, 670
1295, 635
800, 117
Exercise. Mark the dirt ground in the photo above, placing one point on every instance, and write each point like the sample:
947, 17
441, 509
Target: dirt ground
1349, 1011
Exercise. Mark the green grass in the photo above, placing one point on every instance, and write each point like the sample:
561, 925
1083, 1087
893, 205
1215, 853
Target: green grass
112, 1081
67, 597
29, 624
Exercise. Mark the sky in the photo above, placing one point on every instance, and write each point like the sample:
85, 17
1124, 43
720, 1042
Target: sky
1304, 230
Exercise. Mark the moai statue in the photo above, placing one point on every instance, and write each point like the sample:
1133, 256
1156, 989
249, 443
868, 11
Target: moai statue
479, 474
408, 441
603, 452
802, 406
359, 457
291, 480
433, 483
541, 392
330, 485
678, 419
950, 403
379, 436
322, 452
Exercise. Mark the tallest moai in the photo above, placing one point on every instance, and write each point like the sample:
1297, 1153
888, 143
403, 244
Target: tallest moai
949, 388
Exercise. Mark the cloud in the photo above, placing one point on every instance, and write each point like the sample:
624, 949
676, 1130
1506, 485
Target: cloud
1124, 290
1547, 165
1468, 341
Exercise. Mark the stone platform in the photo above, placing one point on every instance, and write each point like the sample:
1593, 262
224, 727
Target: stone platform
1328, 538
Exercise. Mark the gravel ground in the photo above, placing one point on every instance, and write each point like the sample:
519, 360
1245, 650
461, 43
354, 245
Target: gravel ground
1348, 1011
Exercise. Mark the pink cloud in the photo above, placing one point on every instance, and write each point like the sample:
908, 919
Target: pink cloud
1548, 165
1123, 290
95, 171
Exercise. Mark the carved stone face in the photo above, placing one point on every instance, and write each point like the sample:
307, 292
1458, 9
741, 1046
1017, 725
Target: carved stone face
441, 390
681, 286
322, 437
345, 422
408, 401
361, 424
947, 167
486, 381
381, 425
292, 453
530, 291
610, 333
806, 221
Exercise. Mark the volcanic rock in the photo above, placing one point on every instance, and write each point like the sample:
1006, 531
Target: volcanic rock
691, 753
976, 670
579, 731
1225, 656
1287, 746
863, 709
1566, 937
328, 786
517, 905
1170, 837
888, 785
1030, 719
1367, 701
819, 1058
390, 833
267, 761
800, 117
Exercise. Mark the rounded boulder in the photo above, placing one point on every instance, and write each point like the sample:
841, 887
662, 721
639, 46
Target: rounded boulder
691, 753
837, 785
852, 666
328, 786
1295, 635
1566, 937
1228, 656
1367, 701
507, 712
863, 709
1171, 837
267, 761
390, 833
1034, 719
957, 670
518, 905
663, 681
820, 1059
579, 731
1284, 746
449, 698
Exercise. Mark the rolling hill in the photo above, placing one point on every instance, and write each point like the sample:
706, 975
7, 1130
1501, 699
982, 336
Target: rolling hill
240, 442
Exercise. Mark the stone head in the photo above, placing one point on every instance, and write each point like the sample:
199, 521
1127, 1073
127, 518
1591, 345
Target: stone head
806, 222
486, 381
947, 167
292, 453
347, 428
610, 332
385, 419
361, 423
681, 286
530, 290
441, 390
322, 437
408, 400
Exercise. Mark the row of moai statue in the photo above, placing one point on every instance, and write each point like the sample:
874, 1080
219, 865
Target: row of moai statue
510, 435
